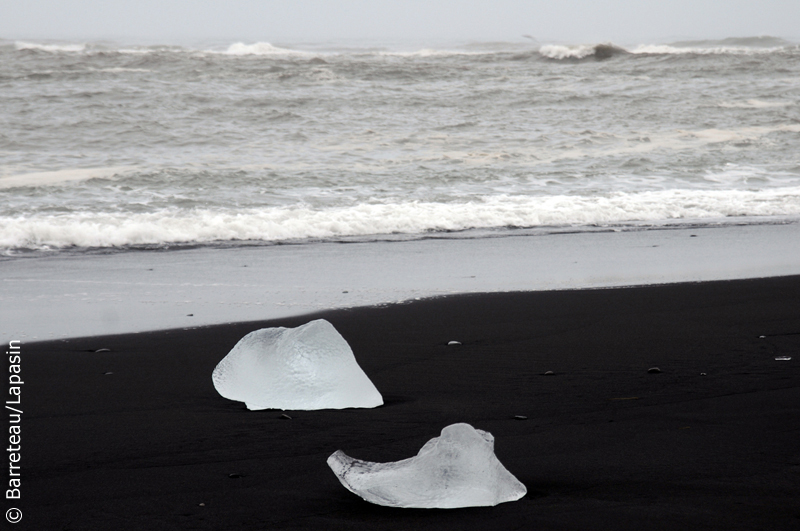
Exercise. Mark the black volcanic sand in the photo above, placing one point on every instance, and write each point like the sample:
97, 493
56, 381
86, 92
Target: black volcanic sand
136, 438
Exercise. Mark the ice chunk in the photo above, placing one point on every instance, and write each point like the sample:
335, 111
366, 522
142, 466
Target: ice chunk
457, 469
308, 367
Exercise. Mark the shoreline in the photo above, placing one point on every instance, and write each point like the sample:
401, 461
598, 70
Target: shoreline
73, 296
136, 436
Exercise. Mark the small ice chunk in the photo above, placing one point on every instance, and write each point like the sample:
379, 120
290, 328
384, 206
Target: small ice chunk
457, 469
308, 367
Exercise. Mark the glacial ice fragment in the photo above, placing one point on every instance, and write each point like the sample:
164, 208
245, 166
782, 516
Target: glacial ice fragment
456, 469
308, 367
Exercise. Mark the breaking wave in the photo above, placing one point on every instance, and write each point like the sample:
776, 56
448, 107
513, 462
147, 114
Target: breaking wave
735, 46
596, 51
260, 48
599, 51
91, 229
52, 48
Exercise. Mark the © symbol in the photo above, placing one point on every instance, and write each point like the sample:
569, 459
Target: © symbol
13, 515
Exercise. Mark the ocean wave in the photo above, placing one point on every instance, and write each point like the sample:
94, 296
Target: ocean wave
596, 51
744, 46
432, 52
52, 48
606, 50
50, 178
737, 42
99, 49
666, 49
98, 229
260, 48
755, 104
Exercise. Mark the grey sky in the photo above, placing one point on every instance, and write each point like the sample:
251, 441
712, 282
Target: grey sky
299, 21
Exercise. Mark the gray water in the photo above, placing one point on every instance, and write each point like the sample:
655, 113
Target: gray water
122, 146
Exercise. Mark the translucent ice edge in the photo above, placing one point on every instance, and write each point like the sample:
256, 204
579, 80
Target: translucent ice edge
457, 469
303, 368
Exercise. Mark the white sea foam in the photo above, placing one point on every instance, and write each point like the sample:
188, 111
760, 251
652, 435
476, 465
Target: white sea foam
755, 104
581, 51
91, 229
260, 48
665, 49
558, 51
53, 48
49, 178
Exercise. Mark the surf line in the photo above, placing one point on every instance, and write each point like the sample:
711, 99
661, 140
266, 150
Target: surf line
14, 407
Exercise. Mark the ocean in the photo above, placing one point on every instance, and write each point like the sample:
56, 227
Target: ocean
111, 147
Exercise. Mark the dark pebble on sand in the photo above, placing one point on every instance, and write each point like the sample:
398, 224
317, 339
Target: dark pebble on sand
549, 373
653, 370
284, 416
103, 350
235, 476
520, 417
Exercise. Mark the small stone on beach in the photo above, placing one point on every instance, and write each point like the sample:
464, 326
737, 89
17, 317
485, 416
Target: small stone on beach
549, 373
103, 350
520, 417
284, 416
653, 370
453, 343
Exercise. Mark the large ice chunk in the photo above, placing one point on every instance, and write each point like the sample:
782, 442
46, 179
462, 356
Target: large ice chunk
457, 469
308, 367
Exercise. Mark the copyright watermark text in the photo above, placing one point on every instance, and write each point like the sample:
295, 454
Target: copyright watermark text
13, 407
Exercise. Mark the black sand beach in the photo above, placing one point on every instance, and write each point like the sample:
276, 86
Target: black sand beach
136, 437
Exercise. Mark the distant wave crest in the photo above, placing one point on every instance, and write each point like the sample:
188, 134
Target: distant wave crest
737, 42
735, 46
52, 48
560, 52
597, 51
259, 48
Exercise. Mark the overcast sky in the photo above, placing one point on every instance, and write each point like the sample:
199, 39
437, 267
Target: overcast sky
434, 21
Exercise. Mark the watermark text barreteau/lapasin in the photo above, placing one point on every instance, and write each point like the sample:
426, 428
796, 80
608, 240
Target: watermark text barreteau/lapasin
13, 406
